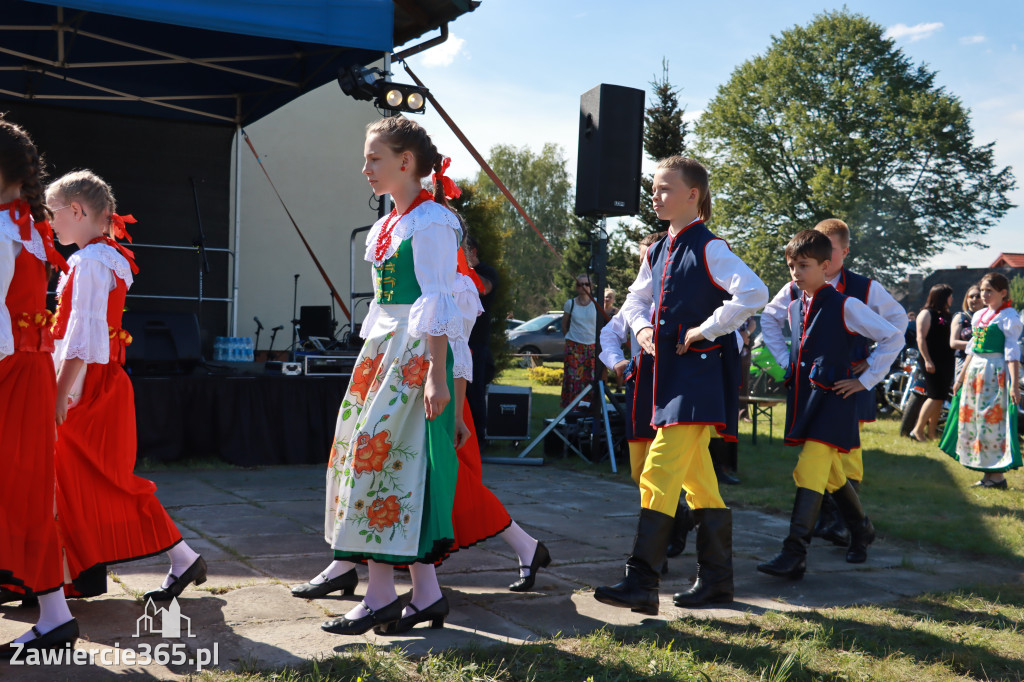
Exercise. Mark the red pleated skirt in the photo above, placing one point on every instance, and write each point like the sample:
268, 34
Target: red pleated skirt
477, 514
29, 547
106, 514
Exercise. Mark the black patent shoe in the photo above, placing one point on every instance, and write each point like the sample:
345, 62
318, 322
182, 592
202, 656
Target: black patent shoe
196, 573
56, 638
541, 559
435, 613
346, 582
382, 617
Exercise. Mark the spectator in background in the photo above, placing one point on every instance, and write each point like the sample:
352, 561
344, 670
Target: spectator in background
933, 330
579, 324
910, 336
961, 332
745, 333
480, 341
609, 303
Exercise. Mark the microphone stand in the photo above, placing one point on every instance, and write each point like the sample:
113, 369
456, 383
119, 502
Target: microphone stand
259, 328
200, 244
273, 335
295, 319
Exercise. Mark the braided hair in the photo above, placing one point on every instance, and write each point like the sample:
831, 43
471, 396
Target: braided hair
20, 161
403, 135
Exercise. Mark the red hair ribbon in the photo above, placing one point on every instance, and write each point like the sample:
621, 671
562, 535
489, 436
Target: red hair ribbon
23, 220
117, 226
470, 272
451, 190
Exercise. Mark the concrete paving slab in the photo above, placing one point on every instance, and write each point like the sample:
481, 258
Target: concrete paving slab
259, 530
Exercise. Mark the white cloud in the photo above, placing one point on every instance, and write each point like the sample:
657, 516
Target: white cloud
973, 40
692, 116
445, 53
913, 33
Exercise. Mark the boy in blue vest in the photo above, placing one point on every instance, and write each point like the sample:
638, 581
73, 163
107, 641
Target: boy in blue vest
701, 293
821, 412
830, 524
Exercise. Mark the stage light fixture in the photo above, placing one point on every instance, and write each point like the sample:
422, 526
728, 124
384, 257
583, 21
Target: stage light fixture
401, 97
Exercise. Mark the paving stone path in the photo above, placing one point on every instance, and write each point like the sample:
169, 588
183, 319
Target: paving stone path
261, 532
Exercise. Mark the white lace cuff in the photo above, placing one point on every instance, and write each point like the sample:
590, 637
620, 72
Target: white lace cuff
463, 358
467, 298
436, 314
87, 338
372, 313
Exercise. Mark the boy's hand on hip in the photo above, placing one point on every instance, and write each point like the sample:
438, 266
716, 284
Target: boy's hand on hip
645, 337
693, 335
620, 369
847, 387
859, 368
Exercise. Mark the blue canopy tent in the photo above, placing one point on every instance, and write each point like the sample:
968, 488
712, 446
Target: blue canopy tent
150, 93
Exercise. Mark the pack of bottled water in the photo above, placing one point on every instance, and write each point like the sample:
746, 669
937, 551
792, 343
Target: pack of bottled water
233, 349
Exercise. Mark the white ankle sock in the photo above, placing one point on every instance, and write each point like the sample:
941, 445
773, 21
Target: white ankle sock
53, 611
380, 589
335, 569
522, 543
425, 590
182, 556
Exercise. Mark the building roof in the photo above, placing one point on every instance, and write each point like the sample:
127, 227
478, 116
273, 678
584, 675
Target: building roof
1013, 260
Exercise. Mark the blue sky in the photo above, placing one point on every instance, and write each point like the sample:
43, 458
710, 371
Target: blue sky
513, 71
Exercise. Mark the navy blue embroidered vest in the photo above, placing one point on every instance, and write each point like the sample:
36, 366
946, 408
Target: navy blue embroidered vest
820, 355
700, 386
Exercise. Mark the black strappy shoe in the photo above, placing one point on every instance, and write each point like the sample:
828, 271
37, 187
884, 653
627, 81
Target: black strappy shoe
346, 583
196, 573
382, 617
435, 613
66, 633
541, 559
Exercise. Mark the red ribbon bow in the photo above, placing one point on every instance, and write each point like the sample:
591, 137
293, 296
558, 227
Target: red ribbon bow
117, 226
451, 190
21, 214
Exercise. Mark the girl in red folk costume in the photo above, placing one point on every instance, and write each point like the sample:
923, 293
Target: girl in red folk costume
106, 513
29, 545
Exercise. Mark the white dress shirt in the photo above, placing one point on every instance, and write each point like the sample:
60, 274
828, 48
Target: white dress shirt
727, 270
773, 317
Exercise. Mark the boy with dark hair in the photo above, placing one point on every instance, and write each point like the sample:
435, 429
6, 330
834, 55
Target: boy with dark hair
820, 416
874, 295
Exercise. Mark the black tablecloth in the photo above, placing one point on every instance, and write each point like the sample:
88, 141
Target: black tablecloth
247, 421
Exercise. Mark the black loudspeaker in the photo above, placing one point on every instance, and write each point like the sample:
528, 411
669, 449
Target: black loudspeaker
162, 343
610, 150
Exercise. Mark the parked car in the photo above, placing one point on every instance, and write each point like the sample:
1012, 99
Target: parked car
541, 336
511, 323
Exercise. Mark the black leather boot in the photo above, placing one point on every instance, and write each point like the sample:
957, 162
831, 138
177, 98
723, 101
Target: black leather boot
792, 561
714, 560
638, 591
862, 532
830, 524
719, 451
683, 525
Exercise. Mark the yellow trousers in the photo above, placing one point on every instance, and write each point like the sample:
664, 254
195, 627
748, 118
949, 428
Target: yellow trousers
638, 450
853, 464
819, 468
679, 461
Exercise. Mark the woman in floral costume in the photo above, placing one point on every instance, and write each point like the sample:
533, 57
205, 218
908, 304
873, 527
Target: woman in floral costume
392, 470
981, 430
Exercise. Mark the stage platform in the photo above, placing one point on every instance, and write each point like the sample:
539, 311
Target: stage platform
247, 420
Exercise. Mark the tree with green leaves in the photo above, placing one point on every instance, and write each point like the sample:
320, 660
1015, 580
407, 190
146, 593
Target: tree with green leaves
834, 120
664, 135
482, 215
540, 182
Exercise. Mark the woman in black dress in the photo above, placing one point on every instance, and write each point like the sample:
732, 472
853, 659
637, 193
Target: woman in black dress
936, 359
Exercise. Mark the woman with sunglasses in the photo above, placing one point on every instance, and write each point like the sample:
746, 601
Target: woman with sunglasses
960, 333
579, 324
